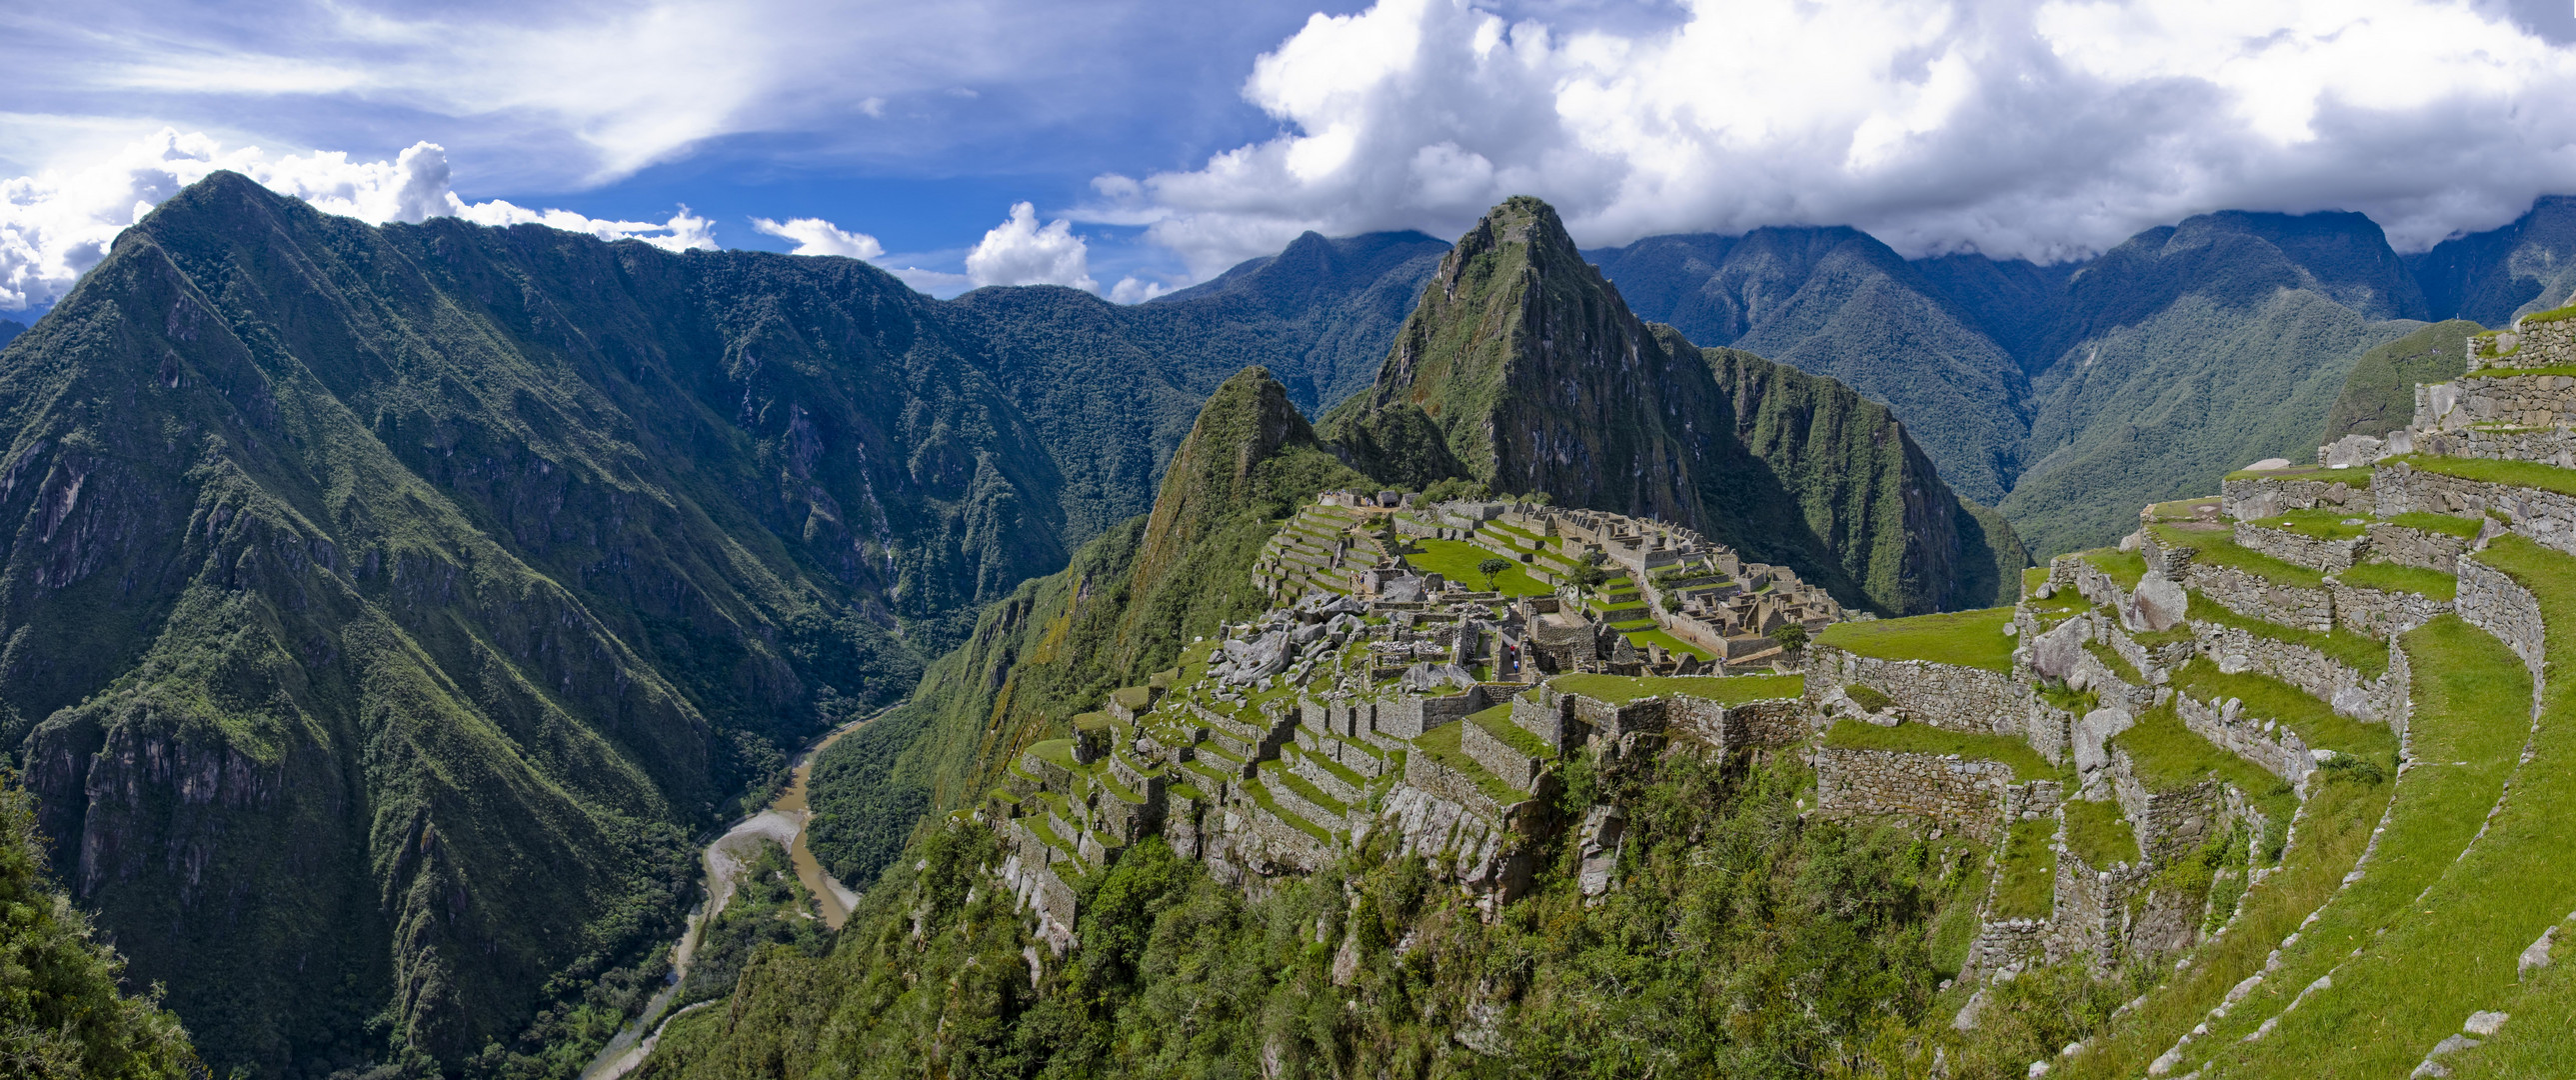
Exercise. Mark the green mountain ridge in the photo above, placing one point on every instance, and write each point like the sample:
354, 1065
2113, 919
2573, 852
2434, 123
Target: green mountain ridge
384, 607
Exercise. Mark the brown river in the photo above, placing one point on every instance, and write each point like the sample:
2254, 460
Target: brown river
783, 822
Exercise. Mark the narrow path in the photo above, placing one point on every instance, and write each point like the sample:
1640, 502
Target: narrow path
783, 823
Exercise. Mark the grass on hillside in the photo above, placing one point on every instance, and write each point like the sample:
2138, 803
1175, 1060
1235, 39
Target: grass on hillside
2126, 568
2097, 834
1926, 739
2466, 528
2317, 524
2267, 698
2486, 470
2170, 757
2026, 882
2352, 650
1967, 638
2032, 577
2471, 925
2218, 548
1723, 689
2180, 509
2398, 577
1457, 559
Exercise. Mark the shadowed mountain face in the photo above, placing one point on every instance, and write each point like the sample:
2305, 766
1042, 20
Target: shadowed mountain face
2493, 277
2081, 390
383, 607
1524, 369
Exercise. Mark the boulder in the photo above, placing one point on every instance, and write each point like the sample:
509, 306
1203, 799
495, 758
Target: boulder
2055, 653
1248, 661
1403, 589
1424, 678
2353, 702
2156, 605
2095, 730
2351, 450
1603, 827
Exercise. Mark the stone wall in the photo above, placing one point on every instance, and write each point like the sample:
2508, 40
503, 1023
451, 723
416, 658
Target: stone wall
1408, 717
2546, 517
1960, 794
2347, 690
2525, 344
1945, 696
2549, 446
2379, 614
2262, 497
1500, 758
1038, 888
2169, 824
2265, 742
2008, 945
2260, 598
2517, 400
1429, 775
2092, 910
1613, 721
2329, 556
2492, 601
1548, 715
1769, 723
2416, 547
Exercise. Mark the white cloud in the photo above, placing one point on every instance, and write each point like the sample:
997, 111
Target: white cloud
2042, 129
56, 224
1021, 252
815, 236
1135, 290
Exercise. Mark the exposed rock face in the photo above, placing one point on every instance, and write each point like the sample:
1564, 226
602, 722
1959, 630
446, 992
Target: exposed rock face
2056, 653
2157, 604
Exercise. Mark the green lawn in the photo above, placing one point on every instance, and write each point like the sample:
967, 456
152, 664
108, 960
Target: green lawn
1967, 638
2517, 473
1671, 644
2267, 698
2126, 568
1457, 559
2451, 949
1441, 743
1926, 739
2217, 548
2097, 834
2466, 528
2396, 577
2032, 577
2170, 757
2352, 650
2357, 476
2027, 887
2318, 524
1723, 689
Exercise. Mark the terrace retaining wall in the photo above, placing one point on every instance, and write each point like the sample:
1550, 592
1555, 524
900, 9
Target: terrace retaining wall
1946, 696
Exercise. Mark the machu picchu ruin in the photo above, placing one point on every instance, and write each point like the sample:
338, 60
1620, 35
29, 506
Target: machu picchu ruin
2276, 744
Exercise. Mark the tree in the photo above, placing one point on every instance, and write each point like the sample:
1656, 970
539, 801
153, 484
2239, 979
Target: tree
1672, 601
1791, 636
1491, 567
1588, 573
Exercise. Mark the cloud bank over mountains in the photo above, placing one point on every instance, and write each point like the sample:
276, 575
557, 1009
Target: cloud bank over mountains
2046, 129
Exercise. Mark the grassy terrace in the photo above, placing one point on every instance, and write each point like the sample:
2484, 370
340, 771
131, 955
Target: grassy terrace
2318, 524
1440, 744
1457, 559
2097, 834
1926, 739
2125, 567
2483, 909
2217, 548
2112, 659
1497, 722
2032, 577
2395, 577
2342, 646
2169, 757
1967, 638
2358, 476
2517, 473
1671, 644
1260, 792
2466, 528
2026, 882
1723, 689
2267, 698
2182, 509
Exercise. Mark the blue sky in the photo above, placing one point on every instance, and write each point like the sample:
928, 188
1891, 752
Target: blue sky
1172, 139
